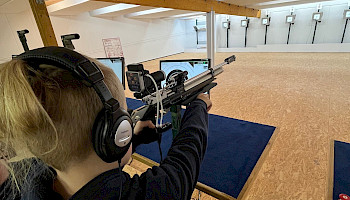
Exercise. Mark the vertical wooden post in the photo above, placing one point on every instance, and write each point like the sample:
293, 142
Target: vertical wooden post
43, 22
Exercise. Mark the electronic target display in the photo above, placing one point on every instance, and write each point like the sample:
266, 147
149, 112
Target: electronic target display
192, 66
290, 19
317, 16
265, 21
118, 66
347, 14
244, 22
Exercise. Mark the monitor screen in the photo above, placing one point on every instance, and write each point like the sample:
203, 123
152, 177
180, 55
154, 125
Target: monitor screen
244, 23
317, 16
265, 21
192, 66
117, 64
347, 14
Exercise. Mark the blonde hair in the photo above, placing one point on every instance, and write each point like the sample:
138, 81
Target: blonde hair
48, 113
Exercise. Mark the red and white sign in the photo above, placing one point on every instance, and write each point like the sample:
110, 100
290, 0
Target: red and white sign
113, 47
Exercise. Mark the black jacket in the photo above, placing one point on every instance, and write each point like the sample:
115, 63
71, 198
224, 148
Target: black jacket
175, 178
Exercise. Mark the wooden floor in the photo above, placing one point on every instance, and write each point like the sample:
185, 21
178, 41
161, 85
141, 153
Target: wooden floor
306, 95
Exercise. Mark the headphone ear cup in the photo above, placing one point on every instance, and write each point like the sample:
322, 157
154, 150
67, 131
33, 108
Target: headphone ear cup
112, 143
120, 139
98, 134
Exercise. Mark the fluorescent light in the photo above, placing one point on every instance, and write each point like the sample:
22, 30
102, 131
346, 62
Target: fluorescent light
187, 15
147, 12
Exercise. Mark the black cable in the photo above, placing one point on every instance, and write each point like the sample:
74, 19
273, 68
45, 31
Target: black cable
246, 30
313, 38
160, 152
290, 25
160, 149
121, 180
346, 23
227, 35
197, 31
265, 34
245, 39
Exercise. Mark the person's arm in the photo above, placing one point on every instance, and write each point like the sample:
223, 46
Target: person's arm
177, 175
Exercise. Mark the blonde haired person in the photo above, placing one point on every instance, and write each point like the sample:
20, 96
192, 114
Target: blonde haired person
46, 119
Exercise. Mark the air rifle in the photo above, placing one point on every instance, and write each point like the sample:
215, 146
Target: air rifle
177, 91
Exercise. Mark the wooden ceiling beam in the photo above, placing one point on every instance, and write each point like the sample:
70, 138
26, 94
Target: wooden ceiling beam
43, 22
195, 5
50, 2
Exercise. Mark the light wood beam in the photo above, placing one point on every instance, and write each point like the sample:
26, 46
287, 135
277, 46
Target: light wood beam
195, 5
50, 2
43, 22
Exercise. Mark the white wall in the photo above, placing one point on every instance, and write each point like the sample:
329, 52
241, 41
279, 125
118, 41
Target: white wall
330, 30
141, 39
10, 23
191, 37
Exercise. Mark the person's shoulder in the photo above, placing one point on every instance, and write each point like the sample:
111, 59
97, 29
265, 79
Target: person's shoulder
108, 181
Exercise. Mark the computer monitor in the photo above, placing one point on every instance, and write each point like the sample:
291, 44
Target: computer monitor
192, 66
118, 66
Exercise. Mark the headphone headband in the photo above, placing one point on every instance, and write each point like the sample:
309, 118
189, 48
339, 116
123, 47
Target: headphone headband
77, 64
67, 59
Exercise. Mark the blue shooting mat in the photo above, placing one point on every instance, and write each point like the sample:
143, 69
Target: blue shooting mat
234, 147
341, 178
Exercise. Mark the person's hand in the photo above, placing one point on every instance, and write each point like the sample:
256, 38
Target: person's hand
140, 125
205, 98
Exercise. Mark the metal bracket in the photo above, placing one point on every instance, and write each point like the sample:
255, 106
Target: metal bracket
40, 1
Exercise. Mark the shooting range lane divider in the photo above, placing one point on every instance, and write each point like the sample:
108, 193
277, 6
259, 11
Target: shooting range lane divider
235, 153
346, 23
290, 25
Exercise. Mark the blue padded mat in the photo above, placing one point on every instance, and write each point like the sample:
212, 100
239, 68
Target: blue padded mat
234, 147
341, 180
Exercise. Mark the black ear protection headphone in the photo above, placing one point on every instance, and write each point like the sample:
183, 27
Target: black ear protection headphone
112, 130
